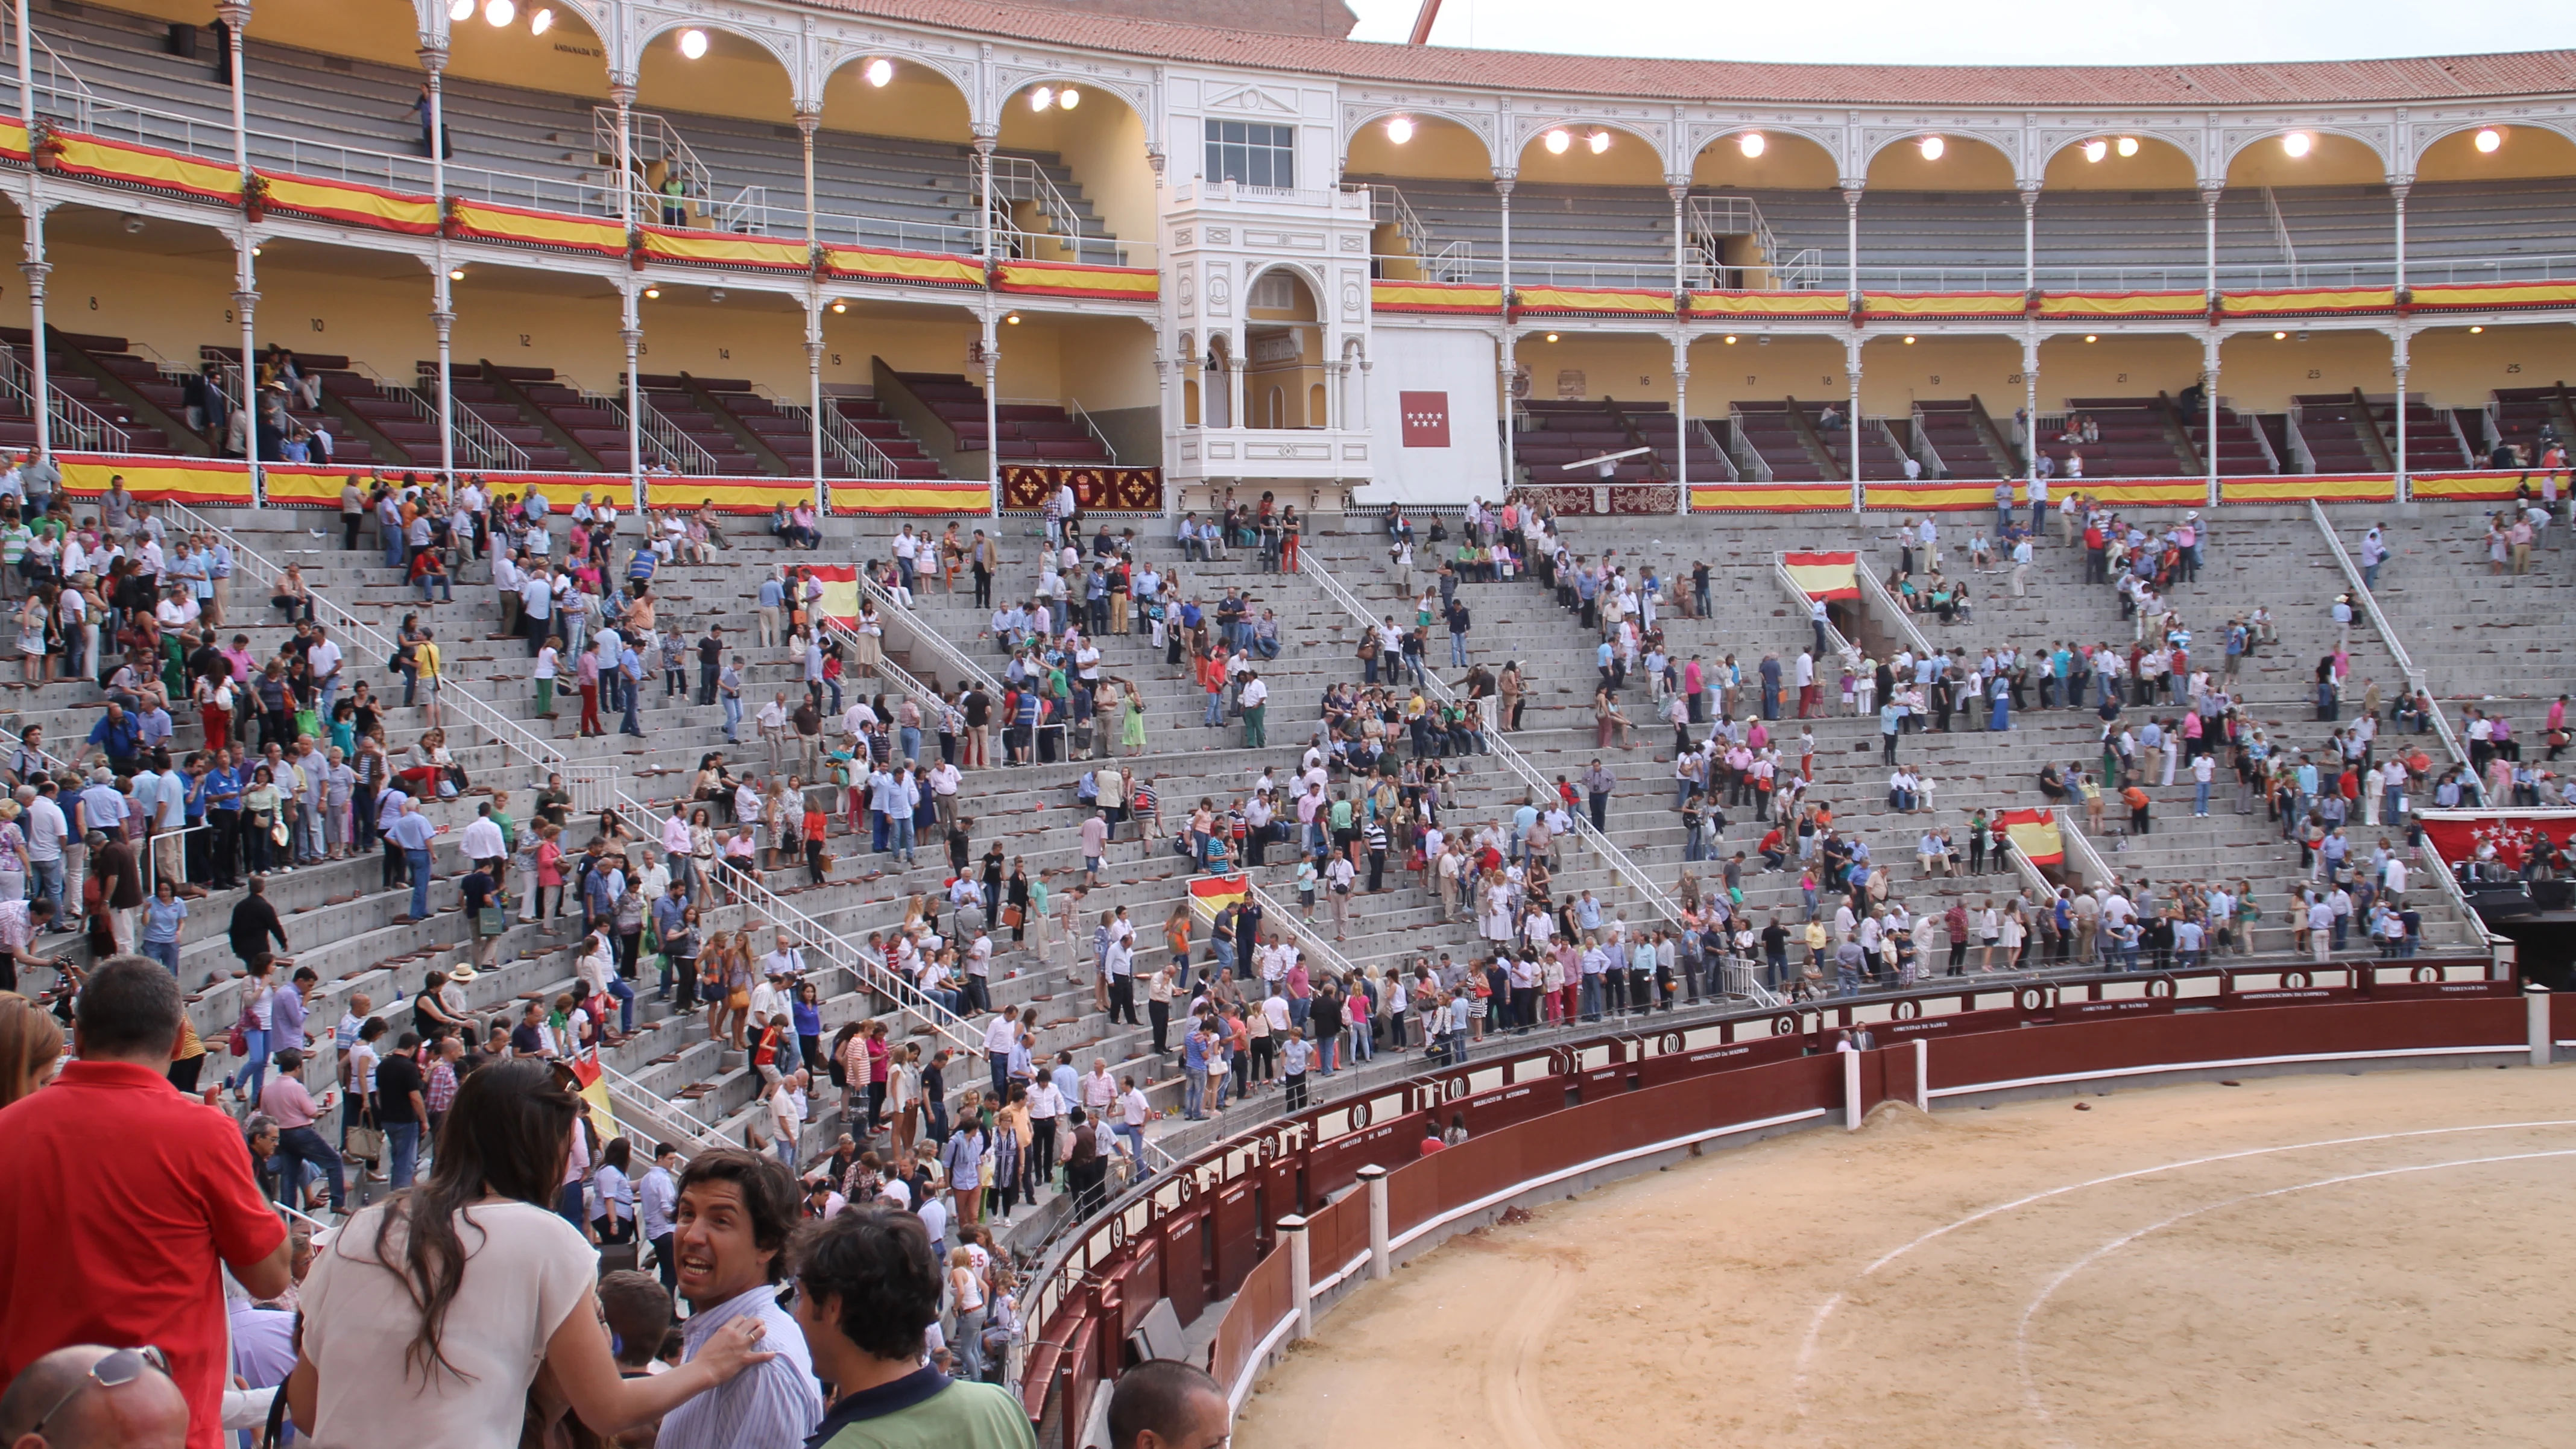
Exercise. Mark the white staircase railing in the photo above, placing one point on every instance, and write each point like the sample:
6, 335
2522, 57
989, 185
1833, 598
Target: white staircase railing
1018, 178
2281, 234
76, 424
1900, 622
1617, 861
1436, 260
951, 658
841, 439
664, 444
1805, 605
1079, 414
1924, 451
511, 735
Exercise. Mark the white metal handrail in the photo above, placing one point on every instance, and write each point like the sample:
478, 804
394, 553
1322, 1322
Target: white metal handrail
1725, 460
2415, 678
1612, 856
1876, 591
671, 448
1273, 909
950, 656
510, 734
478, 444
1018, 178
856, 450
1081, 415
1806, 602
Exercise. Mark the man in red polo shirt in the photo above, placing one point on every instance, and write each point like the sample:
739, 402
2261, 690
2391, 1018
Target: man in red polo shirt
124, 1196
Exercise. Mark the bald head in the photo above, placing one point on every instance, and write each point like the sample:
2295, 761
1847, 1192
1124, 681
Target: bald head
143, 1411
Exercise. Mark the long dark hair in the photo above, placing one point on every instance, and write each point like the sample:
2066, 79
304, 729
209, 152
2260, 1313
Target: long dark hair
507, 1136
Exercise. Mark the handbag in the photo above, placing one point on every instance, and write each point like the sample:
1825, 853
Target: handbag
278, 831
491, 921
1014, 917
367, 1142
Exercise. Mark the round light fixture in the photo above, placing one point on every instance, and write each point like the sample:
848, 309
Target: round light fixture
1041, 98
500, 12
1400, 129
2489, 139
456, 274
1909, 341
1551, 337
1751, 143
2476, 330
1730, 341
1558, 141
840, 307
1068, 98
543, 22
460, 11
879, 71
2128, 145
652, 294
1013, 319
2280, 336
2297, 144
1933, 146
693, 43
255, 251
1600, 142
2095, 150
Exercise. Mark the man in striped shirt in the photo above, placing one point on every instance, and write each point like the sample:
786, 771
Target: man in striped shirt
729, 1242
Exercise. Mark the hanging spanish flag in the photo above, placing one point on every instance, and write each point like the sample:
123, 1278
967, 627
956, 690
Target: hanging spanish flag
591, 1085
1824, 575
2034, 834
1210, 894
840, 583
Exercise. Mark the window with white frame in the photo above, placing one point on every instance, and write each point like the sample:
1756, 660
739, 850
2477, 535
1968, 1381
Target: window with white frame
1252, 154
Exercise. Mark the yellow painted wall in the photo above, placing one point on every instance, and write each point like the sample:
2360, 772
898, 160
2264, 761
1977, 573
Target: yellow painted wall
1628, 162
2527, 152
1104, 143
1807, 368
1439, 150
2113, 367
736, 77
919, 103
1614, 366
2157, 167
2332, 161
1965, 165
1786, 162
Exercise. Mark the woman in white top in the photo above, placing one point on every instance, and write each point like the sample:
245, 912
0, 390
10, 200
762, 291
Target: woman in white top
438, 1309
966, 1295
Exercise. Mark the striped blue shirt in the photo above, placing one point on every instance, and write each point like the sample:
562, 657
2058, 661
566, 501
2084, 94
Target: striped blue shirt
771, 1405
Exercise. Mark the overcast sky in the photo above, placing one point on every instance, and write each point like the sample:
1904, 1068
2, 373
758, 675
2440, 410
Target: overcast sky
2009, 32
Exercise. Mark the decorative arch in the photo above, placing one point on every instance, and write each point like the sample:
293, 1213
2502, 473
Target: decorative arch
2426, 138
2059, 146
1532, 161
1358, 118
1311, 278
1011, 82
781, 47
2003, 146
2235, 141
1787, 148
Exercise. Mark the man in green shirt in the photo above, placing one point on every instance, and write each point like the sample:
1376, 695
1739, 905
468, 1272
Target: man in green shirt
868, 1286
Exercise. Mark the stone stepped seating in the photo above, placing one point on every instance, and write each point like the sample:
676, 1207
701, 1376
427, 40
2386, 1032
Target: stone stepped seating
889, 437
2496, 640
2333, 426
2133, 439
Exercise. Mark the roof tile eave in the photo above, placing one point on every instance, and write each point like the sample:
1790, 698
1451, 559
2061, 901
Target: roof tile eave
2330, 82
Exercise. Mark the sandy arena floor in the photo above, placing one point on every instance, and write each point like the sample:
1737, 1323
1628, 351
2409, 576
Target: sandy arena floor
2333, 1260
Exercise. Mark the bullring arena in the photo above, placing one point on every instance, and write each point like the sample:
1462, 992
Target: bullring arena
2327, 1260
1457, 742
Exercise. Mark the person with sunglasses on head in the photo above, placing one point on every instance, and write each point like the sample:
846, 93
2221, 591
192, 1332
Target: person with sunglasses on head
87, 1394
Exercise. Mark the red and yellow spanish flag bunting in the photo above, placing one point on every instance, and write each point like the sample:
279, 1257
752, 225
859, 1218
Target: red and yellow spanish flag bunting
724, 495
2115, 306
1723, 305
1941, 304
161, 480
1595, 301
1070, 279
591, 1085
1210, 894
840, 588
859, 497
2034, 833
2308, 301
1920, 497
146, 166
2140, 492
1435, 297
13, 140
1824, 575
726, 249
1769, 497
936, 269
486, 221
2492, 296
352, 204
2357, 488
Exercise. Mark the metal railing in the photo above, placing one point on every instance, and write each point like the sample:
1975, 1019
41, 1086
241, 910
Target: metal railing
479, 446
2281, 234
2415, 678
670, 447
1433, 260
951, 658
75, 423
652, 140
1924, 451
1901, 622
1725, 461
1611, 855
1275, 910
1079, 414
1806, 604
670, 1121
511, 735
1018, 179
